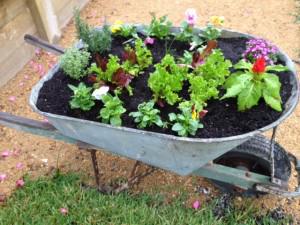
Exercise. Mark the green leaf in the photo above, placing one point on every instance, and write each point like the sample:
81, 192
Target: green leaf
115, 121
238, 82
249, 96
277, 68
272, 83
177, 127
172, 116
273, 102
243, 65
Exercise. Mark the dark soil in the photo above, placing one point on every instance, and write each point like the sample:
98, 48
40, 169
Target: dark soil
222, 119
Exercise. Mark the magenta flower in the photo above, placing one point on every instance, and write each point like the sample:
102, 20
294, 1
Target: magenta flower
26, 77
20, 183
19, 165
191, 16
3, 176
64, 211
196, 204
5, 153
149, 41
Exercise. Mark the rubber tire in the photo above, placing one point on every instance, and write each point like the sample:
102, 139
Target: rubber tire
258, 147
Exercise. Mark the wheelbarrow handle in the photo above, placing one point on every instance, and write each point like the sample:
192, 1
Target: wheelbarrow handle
35, 41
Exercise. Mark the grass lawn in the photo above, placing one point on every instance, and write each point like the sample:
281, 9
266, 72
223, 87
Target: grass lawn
39, 202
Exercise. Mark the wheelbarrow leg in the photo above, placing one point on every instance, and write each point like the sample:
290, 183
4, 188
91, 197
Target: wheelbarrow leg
95, 167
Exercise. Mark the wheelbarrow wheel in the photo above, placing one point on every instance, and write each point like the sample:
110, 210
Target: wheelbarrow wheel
254, 156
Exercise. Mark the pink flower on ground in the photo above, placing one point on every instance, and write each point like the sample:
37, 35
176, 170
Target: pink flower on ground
149, 41
21, 84
12, 98
38, 52
3, 176
196, 204
45, 120
20, 183
19, 165
191, 16
26, 77
64, 211
5, 153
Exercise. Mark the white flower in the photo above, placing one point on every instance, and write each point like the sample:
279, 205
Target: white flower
191, 16
98, 93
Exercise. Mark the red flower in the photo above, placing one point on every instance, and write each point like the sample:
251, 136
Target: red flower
259, 66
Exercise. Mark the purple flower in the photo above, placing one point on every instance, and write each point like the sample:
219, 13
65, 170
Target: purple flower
5, 154
191, 16
19, 165
149, 41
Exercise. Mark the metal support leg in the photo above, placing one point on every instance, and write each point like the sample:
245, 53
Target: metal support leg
95, 166
272, 143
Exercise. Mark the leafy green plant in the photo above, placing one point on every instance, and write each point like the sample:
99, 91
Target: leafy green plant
74, 62
184, 123
98, 41
111, 67
187, 58
82, 97
211, 32
253, 83
146, 115
186, 32
112, 110
128, 30
160, 27
167, 80
215, 67
143, 55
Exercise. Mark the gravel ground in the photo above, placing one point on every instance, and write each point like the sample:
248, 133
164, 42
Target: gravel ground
270, 19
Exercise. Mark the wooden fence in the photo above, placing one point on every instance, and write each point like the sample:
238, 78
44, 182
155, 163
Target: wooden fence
44, 18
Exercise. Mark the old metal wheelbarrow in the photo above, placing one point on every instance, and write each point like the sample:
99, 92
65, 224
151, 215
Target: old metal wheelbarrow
249, 161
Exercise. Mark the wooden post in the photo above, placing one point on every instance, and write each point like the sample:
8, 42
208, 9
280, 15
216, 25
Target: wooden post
45, 19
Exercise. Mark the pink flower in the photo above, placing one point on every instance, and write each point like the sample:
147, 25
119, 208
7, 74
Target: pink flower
19, 165
196, 204
149, 41
12, 98
21, 84
20, 183
38, 52
3, 176
26, 77
191, 16
64, 211
5, 153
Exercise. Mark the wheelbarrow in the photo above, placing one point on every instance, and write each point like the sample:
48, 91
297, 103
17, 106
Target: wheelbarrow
249, 162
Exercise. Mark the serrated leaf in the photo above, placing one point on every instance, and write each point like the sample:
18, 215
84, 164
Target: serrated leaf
277, 68
249, 96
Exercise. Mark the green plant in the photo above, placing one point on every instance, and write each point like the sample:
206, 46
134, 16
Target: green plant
186, 32
98, 41
187, 58
128, 30
82, 97
167, 80
215, 68
146, 115
159, 28
143, 55
111, 67
112, 110
184, 123
211, 32
254, 82
74, 62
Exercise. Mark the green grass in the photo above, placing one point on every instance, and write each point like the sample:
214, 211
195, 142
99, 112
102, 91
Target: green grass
39, 201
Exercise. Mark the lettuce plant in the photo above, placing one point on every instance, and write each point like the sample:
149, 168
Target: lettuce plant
253, 82
143, 55
82, 97
113, 109
74, 62
146, 115
167, 80
128, 30
184, 124
160, 27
